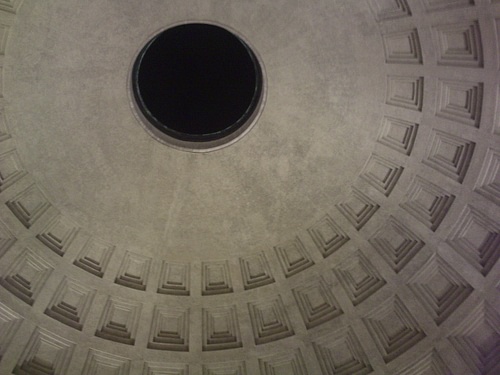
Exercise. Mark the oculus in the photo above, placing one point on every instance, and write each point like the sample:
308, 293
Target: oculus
197, 86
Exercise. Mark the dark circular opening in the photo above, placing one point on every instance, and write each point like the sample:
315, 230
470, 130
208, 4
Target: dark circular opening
197, 82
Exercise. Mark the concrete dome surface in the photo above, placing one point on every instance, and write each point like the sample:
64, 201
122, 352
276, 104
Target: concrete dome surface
354, 229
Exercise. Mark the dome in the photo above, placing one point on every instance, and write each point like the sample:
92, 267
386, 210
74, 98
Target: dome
351, 226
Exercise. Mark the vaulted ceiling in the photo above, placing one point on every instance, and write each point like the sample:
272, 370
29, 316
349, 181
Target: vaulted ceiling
355, 229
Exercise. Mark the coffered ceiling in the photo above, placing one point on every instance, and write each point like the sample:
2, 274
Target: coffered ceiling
355, 229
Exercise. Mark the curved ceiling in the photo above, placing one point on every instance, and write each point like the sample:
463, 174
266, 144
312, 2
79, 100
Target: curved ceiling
355, 229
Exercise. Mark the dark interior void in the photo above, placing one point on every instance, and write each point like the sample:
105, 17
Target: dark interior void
197, 82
